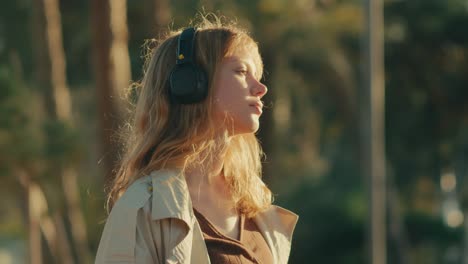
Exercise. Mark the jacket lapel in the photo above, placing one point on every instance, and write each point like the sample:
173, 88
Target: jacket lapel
277, 226
171, 199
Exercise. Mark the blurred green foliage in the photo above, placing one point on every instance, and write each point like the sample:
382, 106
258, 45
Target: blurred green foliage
313, 64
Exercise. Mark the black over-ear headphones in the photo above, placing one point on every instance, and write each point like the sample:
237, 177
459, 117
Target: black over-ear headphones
188, 82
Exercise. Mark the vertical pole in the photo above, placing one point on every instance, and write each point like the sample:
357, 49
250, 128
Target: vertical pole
465, 253
35, 240
373, 130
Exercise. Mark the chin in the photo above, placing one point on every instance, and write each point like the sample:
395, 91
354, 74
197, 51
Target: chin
251, 128
255, 129
245, 126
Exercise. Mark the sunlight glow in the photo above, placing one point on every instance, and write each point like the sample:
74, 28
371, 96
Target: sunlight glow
454, 218
448, 182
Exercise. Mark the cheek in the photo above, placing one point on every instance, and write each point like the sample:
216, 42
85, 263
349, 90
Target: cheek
230, 97
225, 95
221, 97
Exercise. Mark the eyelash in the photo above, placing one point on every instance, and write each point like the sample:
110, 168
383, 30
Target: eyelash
244, 72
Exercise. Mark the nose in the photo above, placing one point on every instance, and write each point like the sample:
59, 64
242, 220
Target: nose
259, 89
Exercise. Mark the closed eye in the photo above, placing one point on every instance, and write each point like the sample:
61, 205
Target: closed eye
242, 71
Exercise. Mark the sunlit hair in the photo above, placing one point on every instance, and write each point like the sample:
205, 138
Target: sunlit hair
162, 135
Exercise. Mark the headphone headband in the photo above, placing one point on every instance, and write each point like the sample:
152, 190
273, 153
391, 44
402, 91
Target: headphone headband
188, 82
185, 46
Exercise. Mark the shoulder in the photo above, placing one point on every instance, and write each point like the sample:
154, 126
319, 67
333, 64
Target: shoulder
141, 190
134, 203
118, 239
132, 233
162, 194
136, 195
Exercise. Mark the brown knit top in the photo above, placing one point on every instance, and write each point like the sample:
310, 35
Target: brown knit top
251, 247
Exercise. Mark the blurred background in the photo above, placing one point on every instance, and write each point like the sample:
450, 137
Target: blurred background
64, 65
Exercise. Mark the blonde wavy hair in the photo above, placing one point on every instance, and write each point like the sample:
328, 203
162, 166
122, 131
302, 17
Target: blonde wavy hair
162, 135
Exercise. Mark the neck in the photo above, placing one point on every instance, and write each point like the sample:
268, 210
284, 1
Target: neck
206, 182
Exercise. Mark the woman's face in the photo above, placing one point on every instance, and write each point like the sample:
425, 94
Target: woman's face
238, 91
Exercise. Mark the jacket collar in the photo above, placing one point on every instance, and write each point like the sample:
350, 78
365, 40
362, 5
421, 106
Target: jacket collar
277, 226
171, 199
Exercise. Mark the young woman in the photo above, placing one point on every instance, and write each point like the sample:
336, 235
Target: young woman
189, 188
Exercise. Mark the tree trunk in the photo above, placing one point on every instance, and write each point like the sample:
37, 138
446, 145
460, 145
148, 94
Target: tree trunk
397, 229
158, 16
63, 247
373, 131
35, 241
52, 78
465, 240
40, 220
112, 73
51, 58
36, 206
75, 215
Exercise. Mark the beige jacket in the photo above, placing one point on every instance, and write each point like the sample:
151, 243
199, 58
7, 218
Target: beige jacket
153, 222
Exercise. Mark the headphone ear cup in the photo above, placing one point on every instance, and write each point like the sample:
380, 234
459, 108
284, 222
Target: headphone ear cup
202, 81
188, 84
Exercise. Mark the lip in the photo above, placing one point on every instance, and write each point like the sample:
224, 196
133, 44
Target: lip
258, 106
